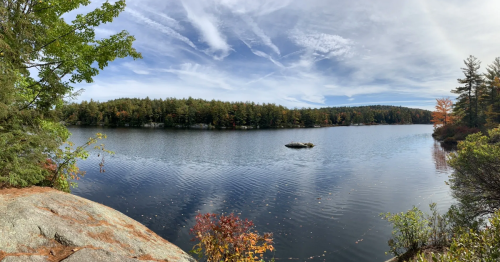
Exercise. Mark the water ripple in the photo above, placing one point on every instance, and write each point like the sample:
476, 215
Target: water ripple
322, 204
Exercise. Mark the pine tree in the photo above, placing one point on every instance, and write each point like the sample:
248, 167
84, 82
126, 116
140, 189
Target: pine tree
492, 71
492, 93
469, 92
493, 109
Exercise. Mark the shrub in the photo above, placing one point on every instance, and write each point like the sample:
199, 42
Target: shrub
494, 135
450, 140
228, 238
459, 217
439, 227
472, 245
455, 132
413, 231
475, 182
410, 231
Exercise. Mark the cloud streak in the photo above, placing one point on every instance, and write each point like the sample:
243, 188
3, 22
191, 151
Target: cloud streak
208, 26
300, 53
157, 26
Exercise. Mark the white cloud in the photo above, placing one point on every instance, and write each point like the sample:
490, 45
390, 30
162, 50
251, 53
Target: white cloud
262, 54
351, 91
208, 26
256, 7
314, 50
103, 32
164, 29
138, 68
200, 76
260, 33
167, 20
323, 45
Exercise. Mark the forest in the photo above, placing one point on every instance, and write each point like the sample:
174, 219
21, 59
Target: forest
185, 112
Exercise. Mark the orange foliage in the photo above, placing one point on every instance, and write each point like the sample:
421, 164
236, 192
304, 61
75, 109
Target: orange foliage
442, 115
228, 238
49, 165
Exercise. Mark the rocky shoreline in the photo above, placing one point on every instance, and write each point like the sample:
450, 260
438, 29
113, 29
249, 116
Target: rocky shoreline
43, 224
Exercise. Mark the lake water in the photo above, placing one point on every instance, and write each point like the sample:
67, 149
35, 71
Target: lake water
322, 204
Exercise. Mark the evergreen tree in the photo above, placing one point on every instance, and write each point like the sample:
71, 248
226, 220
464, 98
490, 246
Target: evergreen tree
468, 93
492, 93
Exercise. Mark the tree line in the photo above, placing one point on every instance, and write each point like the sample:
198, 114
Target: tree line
186, 112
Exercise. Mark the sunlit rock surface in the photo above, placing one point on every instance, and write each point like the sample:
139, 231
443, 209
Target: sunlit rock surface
43, 224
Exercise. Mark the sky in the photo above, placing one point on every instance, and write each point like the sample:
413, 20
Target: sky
298, 53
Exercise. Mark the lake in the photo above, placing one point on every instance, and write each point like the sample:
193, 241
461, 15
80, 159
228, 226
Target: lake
322, 204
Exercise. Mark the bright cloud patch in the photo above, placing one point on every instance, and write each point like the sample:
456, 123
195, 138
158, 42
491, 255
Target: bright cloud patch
323, 45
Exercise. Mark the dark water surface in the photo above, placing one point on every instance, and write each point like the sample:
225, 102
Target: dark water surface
322, 204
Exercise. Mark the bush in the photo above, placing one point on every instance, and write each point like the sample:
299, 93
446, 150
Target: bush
450, 140
453, 133
475, 182
410, 231
414, 231
439, 228
228, 238
472, 245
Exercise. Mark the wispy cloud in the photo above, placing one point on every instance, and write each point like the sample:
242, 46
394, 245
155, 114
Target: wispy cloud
260, 33
200, 76
167, 20
208, 26
157, 26
264, 55
299, 53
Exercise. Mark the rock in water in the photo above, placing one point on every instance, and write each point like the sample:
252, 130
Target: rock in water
299, 145
43, 224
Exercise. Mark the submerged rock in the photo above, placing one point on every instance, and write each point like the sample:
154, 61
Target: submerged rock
43, 224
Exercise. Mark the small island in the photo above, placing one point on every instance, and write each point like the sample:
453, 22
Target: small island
299, 145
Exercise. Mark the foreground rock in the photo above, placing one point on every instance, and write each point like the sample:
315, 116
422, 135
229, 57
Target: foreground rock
43, 224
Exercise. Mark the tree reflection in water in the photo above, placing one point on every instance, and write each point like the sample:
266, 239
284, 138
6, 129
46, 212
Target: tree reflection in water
440, 152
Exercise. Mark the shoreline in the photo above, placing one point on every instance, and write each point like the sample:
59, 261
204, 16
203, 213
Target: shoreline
210, 127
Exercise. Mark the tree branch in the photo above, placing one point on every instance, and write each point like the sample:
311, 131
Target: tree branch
38, 82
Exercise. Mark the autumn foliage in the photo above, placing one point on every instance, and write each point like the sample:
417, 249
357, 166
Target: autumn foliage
228, 238
442, 116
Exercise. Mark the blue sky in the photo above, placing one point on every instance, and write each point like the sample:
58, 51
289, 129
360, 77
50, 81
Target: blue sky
298, 53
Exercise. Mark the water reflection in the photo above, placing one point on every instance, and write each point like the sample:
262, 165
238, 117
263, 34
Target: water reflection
322, 204
440, 155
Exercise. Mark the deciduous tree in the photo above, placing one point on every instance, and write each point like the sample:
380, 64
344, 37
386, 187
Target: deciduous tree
442, 115
41, 56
